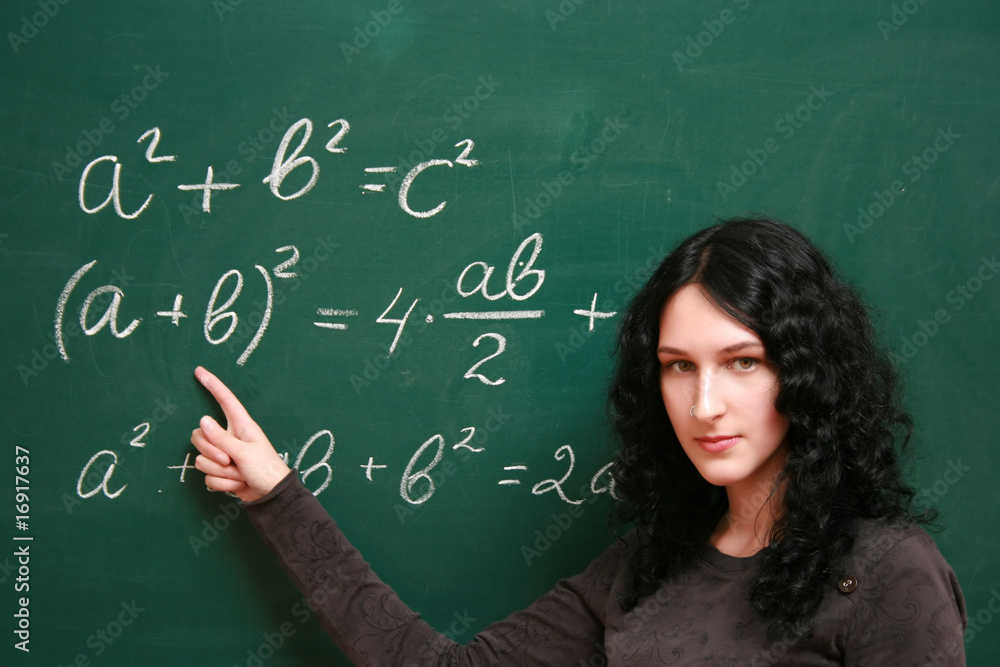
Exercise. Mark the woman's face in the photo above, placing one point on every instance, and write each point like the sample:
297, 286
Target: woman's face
708, 360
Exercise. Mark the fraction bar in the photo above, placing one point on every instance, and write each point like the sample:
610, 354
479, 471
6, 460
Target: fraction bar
497, 315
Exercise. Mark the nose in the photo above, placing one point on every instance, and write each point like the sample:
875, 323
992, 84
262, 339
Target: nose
707, 402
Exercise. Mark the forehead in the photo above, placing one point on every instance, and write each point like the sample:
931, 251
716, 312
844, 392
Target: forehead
692, 321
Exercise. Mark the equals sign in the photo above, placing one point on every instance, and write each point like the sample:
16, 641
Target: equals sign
376, 187
330, 312
511, 481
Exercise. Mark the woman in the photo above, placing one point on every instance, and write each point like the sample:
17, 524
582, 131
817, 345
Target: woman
760, 430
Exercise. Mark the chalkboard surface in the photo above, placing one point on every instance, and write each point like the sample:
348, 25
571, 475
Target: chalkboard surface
398, 229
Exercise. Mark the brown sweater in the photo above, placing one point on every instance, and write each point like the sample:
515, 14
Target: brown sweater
896, 603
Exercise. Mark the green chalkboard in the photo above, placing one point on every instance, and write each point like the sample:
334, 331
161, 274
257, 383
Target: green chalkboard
382, 175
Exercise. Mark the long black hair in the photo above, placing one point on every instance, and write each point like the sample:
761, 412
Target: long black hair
838, 389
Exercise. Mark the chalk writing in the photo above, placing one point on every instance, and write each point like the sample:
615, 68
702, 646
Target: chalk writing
286, 161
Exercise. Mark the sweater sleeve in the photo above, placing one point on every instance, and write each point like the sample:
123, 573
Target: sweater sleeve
911, 611
372, 626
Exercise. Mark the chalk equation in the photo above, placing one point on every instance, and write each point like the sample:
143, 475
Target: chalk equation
420, 478
101, 309
284, 164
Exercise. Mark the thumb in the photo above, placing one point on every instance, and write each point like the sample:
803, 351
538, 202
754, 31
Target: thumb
221, 439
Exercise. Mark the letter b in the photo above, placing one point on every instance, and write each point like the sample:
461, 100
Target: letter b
210, 534
276, 640
382, 16
253, 660
714, 26
542, 543
231, 510
426, 146
694, 49
898, 17
759, 155
361, 40
886, 198
736, 178
554, 188
50, 7
930, 327
93, 136
28, 29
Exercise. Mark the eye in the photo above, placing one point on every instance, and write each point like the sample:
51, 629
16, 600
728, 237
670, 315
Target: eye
745, 363
679, 366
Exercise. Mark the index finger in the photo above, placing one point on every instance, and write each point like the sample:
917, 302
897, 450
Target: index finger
236, 415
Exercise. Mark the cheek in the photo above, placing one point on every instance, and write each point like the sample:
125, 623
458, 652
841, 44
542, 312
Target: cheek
675, 399
771, 423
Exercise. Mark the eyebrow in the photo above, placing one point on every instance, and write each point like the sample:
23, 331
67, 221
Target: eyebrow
735, 347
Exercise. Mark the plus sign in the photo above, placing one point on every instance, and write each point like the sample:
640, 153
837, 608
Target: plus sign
176, 314
184, 467
370, 466
207, 187
594, 313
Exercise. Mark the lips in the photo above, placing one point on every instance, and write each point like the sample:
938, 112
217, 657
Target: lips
717, 443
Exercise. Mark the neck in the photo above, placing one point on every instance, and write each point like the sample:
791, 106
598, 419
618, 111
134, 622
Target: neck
745, 529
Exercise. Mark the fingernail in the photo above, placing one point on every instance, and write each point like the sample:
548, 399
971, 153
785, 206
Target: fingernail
207, 423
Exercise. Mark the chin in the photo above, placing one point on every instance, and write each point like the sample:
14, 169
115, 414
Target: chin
721, 477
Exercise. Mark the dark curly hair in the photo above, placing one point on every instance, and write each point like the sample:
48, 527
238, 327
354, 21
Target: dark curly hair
838, 390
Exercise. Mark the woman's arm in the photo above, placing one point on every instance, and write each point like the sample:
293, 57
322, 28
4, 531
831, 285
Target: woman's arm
911, 609
364, 616
372, 626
